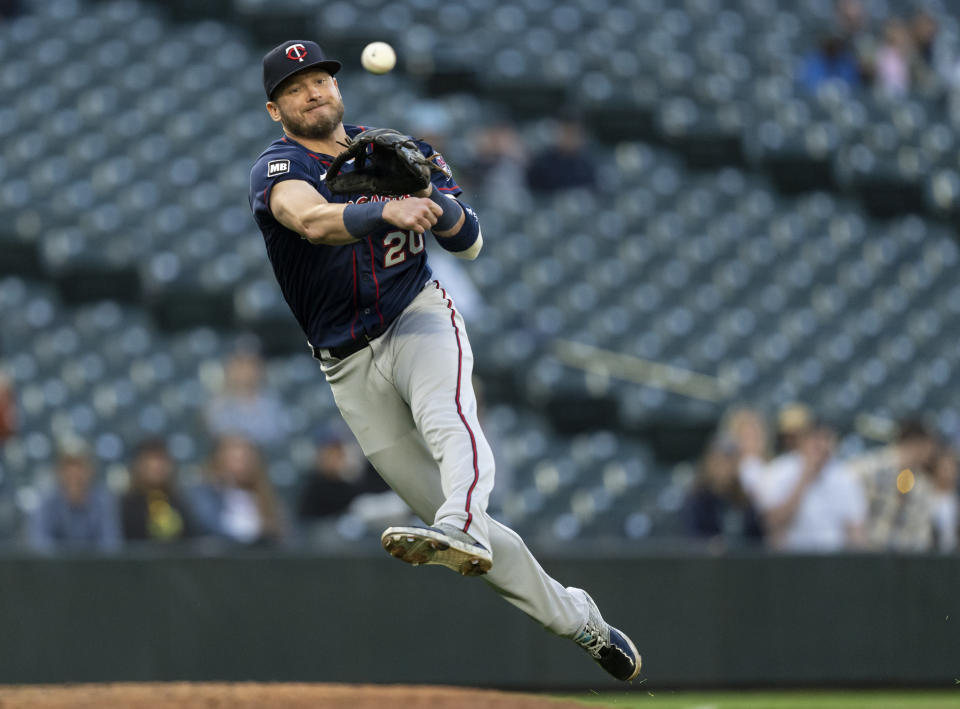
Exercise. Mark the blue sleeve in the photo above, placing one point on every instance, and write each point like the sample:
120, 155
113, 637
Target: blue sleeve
274, 167
443, 181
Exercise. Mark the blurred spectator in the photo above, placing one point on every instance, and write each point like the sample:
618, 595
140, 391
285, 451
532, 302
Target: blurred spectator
79, 513
833, 59
851, 25
924, 29
850, 17
153, 509
237, 502
933, 58
893, 58
499, 166
8, 429
430, 121
946, 501
340, 473
809, 502
748, 429
564, 164
716, 506
8, 415
899, 494
8, 408
793, 422
244, 407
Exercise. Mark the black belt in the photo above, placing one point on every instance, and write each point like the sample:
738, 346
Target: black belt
352, 347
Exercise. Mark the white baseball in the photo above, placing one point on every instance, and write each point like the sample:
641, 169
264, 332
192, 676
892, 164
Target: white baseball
378, 58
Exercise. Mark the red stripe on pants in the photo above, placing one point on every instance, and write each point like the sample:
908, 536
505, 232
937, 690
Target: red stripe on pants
473, 440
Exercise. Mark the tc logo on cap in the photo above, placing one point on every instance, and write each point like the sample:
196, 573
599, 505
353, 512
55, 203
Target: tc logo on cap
296, 52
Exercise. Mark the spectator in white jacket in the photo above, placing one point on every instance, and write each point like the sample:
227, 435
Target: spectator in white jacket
809, 502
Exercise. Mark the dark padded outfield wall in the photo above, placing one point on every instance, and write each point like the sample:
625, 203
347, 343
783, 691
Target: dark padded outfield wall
721, 621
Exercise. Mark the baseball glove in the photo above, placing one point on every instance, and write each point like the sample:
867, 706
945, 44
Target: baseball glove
386, 162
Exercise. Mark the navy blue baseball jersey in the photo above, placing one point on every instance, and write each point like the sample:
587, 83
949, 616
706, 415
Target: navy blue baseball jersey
339, 293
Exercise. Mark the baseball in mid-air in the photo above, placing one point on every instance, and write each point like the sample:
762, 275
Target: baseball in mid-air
378, 58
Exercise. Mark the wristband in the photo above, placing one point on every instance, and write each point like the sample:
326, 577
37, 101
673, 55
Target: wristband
451, 211
360, 219
468, 234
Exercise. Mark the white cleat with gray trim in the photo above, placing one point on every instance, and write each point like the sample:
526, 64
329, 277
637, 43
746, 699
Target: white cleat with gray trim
444, 545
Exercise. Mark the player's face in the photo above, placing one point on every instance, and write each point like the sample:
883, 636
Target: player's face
308, 105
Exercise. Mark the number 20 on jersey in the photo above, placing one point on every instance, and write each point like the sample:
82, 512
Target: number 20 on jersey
398, 244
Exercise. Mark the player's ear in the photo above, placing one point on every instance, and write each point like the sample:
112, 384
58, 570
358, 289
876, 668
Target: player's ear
273, 110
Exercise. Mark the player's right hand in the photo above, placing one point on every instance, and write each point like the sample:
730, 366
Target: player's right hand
416, 213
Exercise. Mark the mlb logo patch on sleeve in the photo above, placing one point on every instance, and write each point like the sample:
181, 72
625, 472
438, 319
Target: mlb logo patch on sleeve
277, 167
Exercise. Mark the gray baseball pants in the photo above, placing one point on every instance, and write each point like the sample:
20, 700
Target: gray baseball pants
409, 400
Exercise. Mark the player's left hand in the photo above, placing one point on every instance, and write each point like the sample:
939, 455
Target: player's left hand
385, 162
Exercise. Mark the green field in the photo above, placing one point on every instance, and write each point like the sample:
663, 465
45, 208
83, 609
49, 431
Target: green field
853, 699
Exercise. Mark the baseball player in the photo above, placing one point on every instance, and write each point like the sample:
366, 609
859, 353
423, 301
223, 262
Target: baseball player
391, 343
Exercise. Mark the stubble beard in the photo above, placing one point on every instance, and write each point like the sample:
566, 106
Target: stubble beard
320, 128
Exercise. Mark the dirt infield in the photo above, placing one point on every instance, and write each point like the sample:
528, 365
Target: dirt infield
266, 696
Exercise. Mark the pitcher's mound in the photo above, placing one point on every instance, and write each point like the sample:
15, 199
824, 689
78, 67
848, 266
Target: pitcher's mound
183, 695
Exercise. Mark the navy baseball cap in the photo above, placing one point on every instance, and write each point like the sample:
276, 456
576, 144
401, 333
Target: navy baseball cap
287, 59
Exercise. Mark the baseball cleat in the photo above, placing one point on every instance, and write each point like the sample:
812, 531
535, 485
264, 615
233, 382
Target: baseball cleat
611, 648
444, 545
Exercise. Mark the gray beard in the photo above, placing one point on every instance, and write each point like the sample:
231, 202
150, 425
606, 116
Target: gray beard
314, 131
